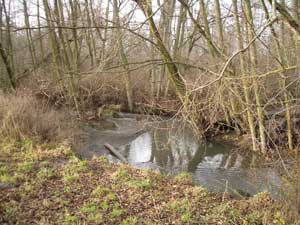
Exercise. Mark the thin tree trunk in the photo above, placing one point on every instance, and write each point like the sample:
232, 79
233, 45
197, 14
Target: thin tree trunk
219, 26
206, 26
168, 40
153, 73
89, 34
39, 30
202, 31
253, 59
192, 36
74, 16
287, 16
129, 91
167, 37
9, 39
176, 52
182, 35
162, 27
244, 79
58, 9
104, 41
29, 35
1, 22
72, 63
54, 47
7, 66
93, 23
282, 81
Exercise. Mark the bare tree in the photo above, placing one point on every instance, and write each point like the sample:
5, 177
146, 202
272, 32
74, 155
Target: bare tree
173, 71
123, 56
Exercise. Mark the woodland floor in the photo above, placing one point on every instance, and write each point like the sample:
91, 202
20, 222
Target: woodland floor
50, 185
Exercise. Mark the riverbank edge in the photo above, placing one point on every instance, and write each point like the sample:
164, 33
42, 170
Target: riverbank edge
47, 184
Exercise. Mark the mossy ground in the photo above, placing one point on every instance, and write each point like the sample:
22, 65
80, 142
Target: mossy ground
52, 186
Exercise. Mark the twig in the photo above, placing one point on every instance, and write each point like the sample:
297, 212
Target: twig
234, 55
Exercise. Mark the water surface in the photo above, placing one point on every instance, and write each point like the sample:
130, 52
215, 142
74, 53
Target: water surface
171, 147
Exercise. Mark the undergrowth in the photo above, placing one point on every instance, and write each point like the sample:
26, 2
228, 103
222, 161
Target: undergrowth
50, 185
23, 116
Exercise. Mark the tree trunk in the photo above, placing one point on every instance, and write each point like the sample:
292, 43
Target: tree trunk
123, 57
7, 66
54, 47
173, 72
287, 16
89, 34
253, 59
9, 43
29, 35
39, 30
282, 81
219, 26
244, 79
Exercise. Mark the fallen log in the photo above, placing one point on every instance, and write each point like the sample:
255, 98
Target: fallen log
115, 152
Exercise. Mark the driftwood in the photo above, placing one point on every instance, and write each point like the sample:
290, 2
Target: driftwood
115, 152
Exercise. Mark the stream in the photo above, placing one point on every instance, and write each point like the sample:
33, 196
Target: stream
171, 147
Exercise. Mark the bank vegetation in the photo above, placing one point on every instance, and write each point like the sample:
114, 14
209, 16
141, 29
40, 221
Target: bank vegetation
218, 65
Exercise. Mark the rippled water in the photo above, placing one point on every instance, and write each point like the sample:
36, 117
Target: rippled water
171, 147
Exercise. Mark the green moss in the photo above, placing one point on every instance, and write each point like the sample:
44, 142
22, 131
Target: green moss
69, 178
72, 170
186, 217
180, 206
3, 169
121, 174
101, 159
104, 205
111, 196
184, 177
70, 219
76, 165
10, 212
92, 212
95, 218
67, 190
7, 179
89, 208
132, 220
100, 191
116, 212
136, 184
45, 173
25, 167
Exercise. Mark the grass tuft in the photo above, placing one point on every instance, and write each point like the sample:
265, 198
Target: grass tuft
23, 116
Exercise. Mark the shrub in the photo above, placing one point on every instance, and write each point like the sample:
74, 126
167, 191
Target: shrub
23, 116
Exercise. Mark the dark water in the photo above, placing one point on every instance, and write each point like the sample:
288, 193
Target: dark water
171, 147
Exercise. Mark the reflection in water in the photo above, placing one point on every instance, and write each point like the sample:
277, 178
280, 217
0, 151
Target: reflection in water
213, 165
138, 154
172, 148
